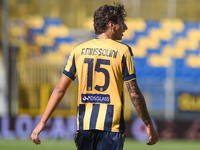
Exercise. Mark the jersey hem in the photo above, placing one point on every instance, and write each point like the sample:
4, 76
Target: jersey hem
67, 77
130, 80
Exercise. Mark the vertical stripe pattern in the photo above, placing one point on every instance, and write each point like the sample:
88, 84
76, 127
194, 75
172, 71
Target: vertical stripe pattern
73, 66
122, 122
122, 98
109, 118
81, 115
102, 65
94, 116
125, 68
130, 50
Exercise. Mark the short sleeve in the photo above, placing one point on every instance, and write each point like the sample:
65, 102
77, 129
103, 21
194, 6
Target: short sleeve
70, 68
128, 65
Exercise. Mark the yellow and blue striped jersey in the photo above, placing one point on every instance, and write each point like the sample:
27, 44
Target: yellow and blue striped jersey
101, 65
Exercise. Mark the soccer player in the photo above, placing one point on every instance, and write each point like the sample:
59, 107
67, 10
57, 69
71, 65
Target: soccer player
102, 65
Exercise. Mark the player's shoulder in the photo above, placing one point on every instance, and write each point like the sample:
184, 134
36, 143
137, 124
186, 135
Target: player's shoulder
78, 48
83, 44
121, 44
124, 47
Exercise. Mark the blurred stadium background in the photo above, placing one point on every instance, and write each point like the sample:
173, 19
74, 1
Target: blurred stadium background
37, 37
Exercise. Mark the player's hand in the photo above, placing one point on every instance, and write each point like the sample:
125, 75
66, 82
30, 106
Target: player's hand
152, 134
36, 132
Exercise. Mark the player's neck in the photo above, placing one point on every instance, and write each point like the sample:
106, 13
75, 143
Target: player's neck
104, 35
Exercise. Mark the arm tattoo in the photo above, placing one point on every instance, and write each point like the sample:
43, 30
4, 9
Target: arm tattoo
138, 101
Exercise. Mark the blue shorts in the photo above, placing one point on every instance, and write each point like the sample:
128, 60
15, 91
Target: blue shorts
99, 140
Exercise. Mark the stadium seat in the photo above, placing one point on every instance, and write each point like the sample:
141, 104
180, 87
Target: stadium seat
59, 40
43, 40
52, 21
54, 31
35, 22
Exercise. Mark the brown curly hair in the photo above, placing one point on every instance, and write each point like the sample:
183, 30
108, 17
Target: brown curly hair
107, 13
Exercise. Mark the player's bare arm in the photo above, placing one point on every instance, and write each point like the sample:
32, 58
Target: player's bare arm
139, 103
54, 100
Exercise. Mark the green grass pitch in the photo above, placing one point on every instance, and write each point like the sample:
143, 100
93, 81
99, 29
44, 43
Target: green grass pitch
130, 144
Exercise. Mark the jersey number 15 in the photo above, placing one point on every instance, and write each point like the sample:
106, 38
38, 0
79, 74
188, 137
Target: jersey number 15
90, 62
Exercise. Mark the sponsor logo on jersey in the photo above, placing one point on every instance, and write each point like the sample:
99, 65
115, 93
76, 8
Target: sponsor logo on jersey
95, 98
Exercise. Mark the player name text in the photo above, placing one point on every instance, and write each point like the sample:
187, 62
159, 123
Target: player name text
99, 52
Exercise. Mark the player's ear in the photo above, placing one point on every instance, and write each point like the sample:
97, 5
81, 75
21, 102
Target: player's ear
110, 24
